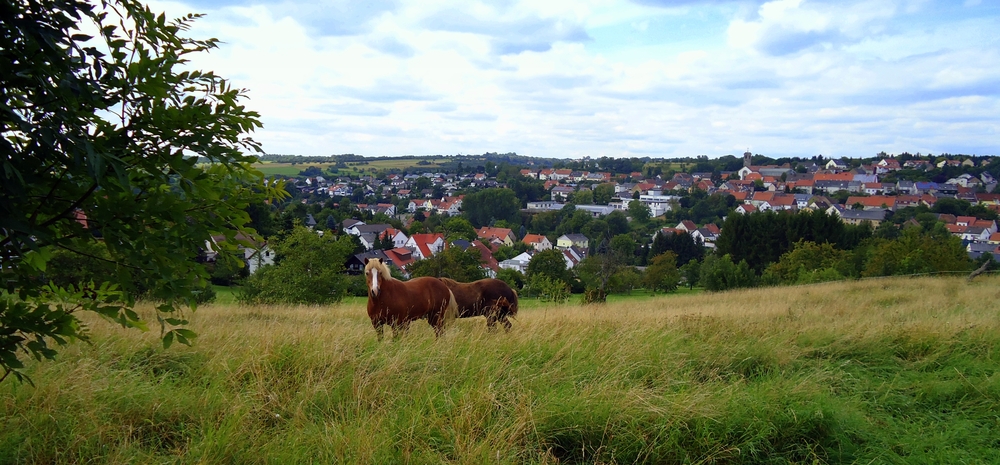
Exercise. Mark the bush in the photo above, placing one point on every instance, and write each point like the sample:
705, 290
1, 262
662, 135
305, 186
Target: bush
357, 286
513, 278
720, 274
308, 270
547, 289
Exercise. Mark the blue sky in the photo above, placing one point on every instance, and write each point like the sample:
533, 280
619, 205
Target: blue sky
612, 78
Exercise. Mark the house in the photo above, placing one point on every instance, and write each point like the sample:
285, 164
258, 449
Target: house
501, 236
396, 236
687, 226
486, 260
874, 202
425, 245
537, 242
361, 229
519, 263
836, 165
356, 263
780, 202
573, 256
707, 235
544, 206
596, 211
570, 240
561, 193
876, 217
368, 240
349, 223
255, 254
401, 257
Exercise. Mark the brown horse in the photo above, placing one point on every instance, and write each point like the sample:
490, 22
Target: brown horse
397, 303
489, 297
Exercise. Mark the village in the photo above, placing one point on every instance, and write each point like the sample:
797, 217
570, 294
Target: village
855, 192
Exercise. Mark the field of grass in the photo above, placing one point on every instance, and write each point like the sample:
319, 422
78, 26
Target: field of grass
353, 168
883, 371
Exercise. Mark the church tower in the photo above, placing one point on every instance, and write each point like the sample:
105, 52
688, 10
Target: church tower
746, 158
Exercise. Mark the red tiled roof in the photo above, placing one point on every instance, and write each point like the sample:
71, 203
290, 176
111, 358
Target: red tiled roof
487, 232
423, 241
532, 238
486, 256
400, 256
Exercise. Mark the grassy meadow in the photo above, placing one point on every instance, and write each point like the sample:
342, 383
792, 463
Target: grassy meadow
355, 168
881, 371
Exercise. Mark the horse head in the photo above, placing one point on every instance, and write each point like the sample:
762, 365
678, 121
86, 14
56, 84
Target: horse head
375, 269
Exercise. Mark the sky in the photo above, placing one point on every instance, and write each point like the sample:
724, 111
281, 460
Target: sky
616, 78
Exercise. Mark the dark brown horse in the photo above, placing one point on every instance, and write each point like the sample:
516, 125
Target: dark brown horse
489, 297
397, 303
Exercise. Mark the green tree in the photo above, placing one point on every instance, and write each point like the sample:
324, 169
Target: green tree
603, 193
623, 247
681, 243
720, 274
916, 252
638, 211
549, 263
111, 130
807, 262
459, 228
228, 268
513, 278
491, 204
662, 273
691, 272
453, 262
582, 197
547, 288
308, 269
617, 223
506, 252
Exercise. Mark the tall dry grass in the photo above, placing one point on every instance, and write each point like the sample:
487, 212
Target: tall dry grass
891, 371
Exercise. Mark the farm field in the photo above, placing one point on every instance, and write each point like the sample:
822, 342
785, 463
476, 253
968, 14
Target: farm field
880, 371
353, 168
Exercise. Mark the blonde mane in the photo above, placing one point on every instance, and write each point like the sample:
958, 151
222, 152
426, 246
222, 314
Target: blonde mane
383, 269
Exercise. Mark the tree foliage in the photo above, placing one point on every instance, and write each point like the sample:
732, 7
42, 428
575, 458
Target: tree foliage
916, 252
638, 211
308, 269
453, 262
105, 128
662, 273
491, 204
721, 273
459, 228
682, 244
809, 262
761, 238
549, 263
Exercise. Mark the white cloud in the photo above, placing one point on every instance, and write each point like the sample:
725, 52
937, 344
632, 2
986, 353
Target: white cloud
790, 77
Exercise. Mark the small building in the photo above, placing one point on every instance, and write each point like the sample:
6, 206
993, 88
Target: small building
570, 240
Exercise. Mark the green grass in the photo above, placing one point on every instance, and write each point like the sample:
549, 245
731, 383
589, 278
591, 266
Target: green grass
225, 295
889, 371
353, 168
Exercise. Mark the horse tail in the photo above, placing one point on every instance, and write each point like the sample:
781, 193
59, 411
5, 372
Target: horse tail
451, 311
513, 305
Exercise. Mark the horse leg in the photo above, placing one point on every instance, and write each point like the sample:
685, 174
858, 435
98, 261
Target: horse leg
436, 322
506, 323
378, 330
397, 330
491, 322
